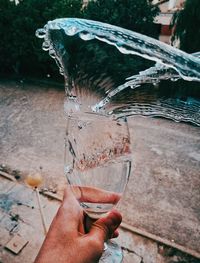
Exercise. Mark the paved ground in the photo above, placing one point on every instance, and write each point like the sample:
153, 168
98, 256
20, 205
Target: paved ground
19, 216
162, 196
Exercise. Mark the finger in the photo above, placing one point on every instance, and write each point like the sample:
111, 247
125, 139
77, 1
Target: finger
69, 200
104, 228
70, 213
115, 234
88, 223
95, 195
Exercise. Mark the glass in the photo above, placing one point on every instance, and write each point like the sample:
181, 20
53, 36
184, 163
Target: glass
97, 165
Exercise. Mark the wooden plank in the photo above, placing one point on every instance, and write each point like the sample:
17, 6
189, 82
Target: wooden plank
16, 244
8, 176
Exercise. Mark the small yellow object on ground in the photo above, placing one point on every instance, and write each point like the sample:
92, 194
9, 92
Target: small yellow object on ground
34, 180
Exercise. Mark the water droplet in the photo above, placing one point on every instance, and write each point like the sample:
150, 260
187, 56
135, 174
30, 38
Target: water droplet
86, 36
52, 53
155, 82
45, 45
40, 33
134, 86
174, 79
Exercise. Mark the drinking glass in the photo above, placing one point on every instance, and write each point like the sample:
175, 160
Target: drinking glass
98, 165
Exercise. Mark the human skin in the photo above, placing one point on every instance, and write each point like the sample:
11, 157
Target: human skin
74, 237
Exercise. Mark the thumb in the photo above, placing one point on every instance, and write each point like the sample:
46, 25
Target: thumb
104, 228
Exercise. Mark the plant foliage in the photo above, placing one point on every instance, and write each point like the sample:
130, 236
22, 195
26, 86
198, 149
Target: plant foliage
21, 52
186, 26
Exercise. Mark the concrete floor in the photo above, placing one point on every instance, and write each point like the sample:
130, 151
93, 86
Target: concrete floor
162, 196
19, 216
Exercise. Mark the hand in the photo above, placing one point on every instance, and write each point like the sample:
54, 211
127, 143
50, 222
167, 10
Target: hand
68, 240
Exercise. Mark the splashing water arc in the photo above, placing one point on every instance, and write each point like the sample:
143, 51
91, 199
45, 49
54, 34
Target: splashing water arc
170, 63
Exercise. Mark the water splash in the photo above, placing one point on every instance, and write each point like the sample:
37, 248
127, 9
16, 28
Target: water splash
171, 64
